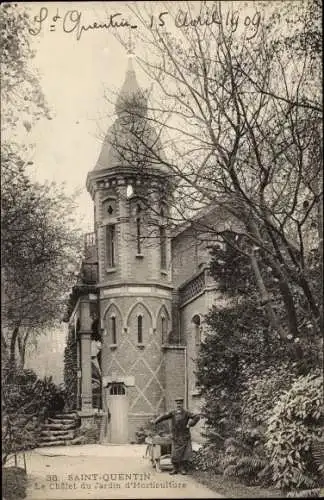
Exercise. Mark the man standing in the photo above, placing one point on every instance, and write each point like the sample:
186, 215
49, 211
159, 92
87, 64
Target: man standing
181, 421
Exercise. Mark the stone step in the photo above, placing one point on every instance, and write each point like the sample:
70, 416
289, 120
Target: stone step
56, 438
60, 442
58, 427
69, 416
50, 432
61, 421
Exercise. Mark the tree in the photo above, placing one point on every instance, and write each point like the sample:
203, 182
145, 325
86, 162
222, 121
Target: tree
40, 245
40, 250
26, 401
21, 94
240, 118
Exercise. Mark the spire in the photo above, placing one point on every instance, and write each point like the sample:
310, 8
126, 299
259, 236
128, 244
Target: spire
130, 45
130, 94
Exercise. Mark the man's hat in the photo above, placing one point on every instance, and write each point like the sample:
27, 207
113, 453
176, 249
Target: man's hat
179, 399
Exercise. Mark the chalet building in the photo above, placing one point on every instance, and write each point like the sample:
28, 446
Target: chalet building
136, 313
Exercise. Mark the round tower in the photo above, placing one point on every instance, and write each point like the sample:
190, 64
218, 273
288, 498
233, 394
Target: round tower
130, 189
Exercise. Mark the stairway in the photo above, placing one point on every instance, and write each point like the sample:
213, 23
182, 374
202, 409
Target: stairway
59, 430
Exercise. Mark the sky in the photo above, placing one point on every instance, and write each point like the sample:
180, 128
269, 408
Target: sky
74, 73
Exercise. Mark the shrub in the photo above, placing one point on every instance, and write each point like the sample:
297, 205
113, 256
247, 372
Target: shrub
26, 401
14, 483
244, 463
294, 424
262, 391
207, 458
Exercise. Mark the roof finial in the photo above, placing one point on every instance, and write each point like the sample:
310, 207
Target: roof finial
130, 45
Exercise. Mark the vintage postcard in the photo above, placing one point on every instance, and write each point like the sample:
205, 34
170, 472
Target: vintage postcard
162, 249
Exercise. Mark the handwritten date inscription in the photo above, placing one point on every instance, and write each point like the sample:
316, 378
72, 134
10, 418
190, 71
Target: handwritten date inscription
72, 22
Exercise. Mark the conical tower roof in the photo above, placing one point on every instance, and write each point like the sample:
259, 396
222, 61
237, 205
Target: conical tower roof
120, 148
130, 95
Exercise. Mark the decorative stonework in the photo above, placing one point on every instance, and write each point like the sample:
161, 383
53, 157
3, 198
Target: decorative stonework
145, 364
194, 287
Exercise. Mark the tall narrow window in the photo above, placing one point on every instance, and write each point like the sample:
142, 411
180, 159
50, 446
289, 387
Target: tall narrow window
138, 229
140, 329
197, 329
164, 329
113, 330
110, 242
163, 241
197, 337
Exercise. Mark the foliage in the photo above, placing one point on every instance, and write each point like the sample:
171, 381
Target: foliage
245, 112
27, 401
314, 493
242, 369
207, 458
40, 249
261, 392
39, 243
237, 348
70, 370
231, 268
296, 421
20, 88
14, 483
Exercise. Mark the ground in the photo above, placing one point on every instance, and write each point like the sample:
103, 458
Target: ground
229, 488
97, 471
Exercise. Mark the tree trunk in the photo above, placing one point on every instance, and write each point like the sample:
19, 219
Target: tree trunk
265, 298
13, 341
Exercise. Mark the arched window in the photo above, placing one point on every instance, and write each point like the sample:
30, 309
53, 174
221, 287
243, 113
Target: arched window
113, 330
138, 229
140, 329
110, 245
164, 326
197, 329
163, 247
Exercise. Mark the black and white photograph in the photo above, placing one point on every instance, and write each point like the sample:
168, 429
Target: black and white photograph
162, 249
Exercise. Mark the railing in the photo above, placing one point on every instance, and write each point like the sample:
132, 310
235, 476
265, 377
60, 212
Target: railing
90, 245
89, 273
195, 286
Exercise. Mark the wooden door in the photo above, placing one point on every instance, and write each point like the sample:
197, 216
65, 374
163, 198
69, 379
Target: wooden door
117, 403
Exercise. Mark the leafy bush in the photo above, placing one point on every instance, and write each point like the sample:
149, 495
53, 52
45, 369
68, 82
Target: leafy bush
207, 458
26, 401
70, 370
244, 463
14, 483
262, 391
296, 421
314, 493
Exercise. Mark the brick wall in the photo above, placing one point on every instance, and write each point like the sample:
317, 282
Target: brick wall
175, 384
184, 257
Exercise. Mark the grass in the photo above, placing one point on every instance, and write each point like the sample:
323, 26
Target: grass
232, 489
